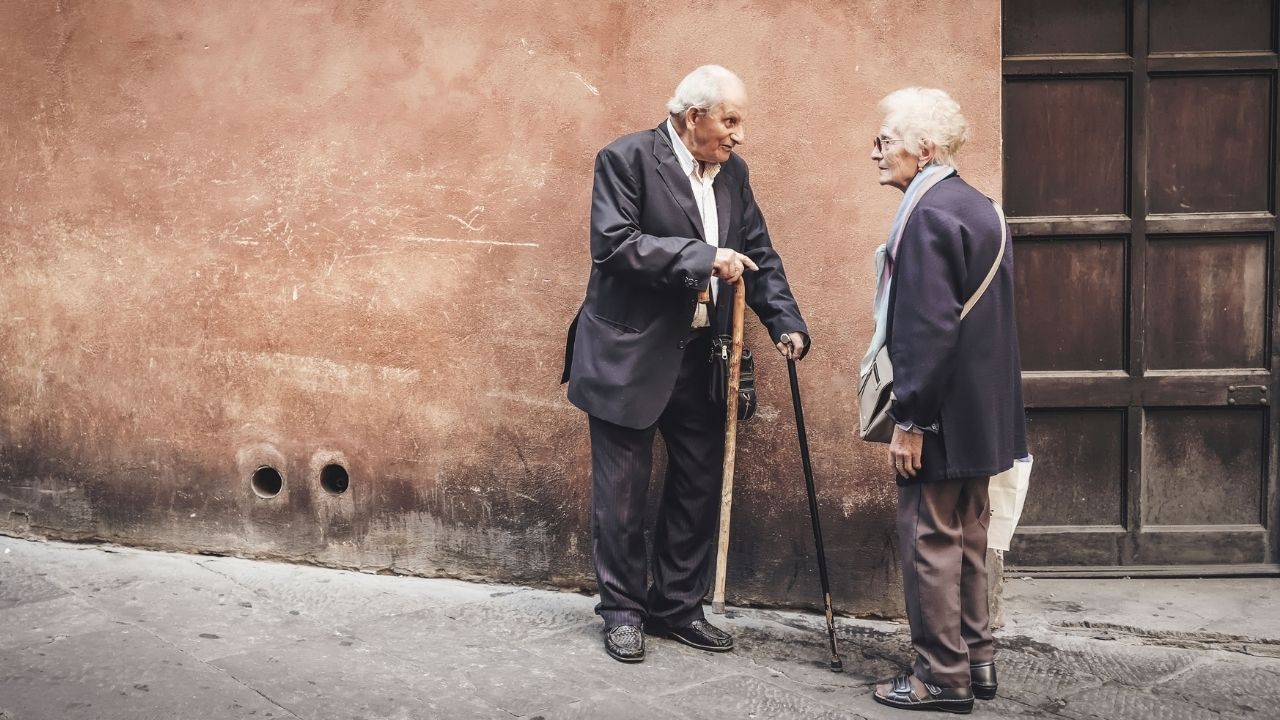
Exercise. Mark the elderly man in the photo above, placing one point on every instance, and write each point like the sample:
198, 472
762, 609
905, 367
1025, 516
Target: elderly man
673, 221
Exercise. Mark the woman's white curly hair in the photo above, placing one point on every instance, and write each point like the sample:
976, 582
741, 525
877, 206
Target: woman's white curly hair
922, 114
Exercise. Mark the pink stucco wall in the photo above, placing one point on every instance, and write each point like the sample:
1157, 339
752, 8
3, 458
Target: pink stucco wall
289, 233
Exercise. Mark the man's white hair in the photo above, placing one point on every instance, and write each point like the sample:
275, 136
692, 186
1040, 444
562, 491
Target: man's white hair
920, 114
704, 88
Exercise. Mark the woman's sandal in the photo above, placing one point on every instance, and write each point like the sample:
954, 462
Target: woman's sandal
902, 695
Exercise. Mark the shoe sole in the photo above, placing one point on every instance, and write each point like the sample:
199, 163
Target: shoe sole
957, 707
983, 693
690, 643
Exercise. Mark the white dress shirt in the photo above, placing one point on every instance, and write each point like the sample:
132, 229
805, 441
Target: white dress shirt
705, 196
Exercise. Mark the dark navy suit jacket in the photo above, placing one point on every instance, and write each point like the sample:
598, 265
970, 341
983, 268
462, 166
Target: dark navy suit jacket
648, 264
965, 376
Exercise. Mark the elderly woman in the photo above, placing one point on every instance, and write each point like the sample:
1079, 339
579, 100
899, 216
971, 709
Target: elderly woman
944, 309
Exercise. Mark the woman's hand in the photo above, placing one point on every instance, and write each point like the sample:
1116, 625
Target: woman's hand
904, 452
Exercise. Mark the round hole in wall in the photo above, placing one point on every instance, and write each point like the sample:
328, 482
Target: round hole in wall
334, 478
267, 481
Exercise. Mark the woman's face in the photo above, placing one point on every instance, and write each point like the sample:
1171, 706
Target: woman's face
897, 166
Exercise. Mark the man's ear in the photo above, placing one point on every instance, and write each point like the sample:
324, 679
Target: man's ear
691, 116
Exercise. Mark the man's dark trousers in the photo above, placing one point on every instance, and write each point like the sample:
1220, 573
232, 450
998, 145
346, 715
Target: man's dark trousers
621, 463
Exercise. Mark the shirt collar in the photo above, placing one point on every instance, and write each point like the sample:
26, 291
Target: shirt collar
687, 162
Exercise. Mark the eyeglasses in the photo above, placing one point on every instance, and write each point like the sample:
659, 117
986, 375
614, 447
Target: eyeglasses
881, 141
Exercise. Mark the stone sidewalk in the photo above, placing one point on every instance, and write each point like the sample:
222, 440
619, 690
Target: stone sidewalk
106, 633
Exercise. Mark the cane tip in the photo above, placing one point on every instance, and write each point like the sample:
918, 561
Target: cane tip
717, 608
837, 666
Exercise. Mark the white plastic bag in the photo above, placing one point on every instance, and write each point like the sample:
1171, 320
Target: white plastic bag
1007, 492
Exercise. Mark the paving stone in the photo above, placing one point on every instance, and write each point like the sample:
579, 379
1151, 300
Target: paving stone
337, 681
1125, 662
1223, 606
668, 665
81, 567
521, 683
1232, 685
51, 620
120, 673
120, 634
875, 650
893, 647
338, 595
420, 635
1115, 701
496, 668
1034, 680
1006, 707
615, 705
209, 623
526, 613
506, 673
21, 583
517, 614
804, 658
743, 696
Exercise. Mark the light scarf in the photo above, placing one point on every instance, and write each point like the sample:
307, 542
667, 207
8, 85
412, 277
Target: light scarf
886, 253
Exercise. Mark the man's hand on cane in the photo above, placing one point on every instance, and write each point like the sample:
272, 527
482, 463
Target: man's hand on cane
792, 345
730, 264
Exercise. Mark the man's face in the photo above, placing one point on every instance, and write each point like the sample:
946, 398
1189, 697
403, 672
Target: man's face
716, 132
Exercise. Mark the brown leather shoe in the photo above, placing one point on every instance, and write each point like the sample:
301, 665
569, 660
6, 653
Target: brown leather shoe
983, 676
902, 696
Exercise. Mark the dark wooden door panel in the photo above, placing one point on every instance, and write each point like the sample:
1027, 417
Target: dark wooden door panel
1065, 152
1140, 181
1206, 302
1210, 25
1143, 551
1210, 143
1079, 468
1204, 466
1158, 388
1071, 302
1054, 27
1194, 546
1053, 547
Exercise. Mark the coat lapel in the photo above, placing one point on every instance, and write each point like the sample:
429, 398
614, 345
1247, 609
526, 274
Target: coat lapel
671, 173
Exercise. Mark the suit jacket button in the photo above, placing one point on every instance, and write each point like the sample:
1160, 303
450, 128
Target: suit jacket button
680, 344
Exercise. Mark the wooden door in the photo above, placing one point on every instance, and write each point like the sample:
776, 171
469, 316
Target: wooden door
1140, 155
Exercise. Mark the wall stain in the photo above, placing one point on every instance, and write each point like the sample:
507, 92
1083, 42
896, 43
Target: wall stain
362, 228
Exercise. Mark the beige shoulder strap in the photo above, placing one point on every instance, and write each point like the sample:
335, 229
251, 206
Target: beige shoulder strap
1004, 239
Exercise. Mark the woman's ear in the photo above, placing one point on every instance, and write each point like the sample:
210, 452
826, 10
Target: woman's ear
928, 151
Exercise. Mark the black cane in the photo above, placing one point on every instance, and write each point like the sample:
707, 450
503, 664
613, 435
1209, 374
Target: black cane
836, 664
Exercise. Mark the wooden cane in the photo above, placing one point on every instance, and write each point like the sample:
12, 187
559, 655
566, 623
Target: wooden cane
730, 443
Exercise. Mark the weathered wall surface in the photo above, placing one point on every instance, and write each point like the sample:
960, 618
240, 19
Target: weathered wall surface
239, 234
